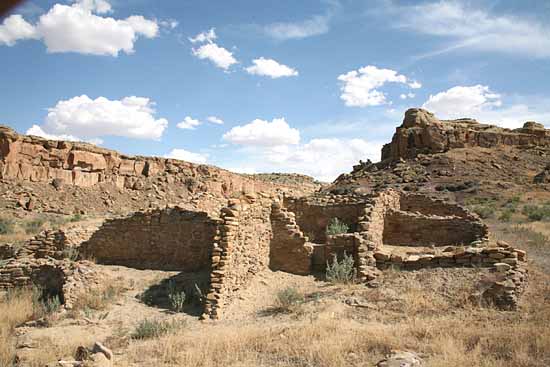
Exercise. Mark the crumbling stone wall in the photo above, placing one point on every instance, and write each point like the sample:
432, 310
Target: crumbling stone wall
429, 206
169, 239
313, 217
413, 229
290, 250
62, 278
242, 251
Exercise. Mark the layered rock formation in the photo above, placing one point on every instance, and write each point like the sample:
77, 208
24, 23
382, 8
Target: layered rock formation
423, 133
35, 159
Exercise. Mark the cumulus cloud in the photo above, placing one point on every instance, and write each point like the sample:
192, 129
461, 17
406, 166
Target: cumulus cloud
360, 87
314, 26
83, 118
473, 28
408, 95
462, 101
80, 28
37, 131
215, 120
219, 56
208, 36
15, 28
270, 68
188, 123
481, 103
208, 50
325, 159
263, 133
188, 156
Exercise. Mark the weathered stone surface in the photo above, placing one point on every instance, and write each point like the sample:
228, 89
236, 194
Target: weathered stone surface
401, 359
422, 133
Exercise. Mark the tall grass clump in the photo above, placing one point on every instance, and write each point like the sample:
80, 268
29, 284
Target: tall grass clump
288, 299
336, 226
342, 271
149, 329
537, 212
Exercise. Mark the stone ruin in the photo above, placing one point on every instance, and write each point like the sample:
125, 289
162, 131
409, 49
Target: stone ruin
224, 250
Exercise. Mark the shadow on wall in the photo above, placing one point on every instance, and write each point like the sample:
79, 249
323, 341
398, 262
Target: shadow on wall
183, 292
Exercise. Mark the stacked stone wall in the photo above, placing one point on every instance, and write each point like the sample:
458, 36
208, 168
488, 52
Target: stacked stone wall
242, 251
169, 239
429, 206
413, 229
313, 218
290, 250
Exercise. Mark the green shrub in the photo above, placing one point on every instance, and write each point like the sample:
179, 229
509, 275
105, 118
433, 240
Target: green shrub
33, 226
341, 271
484, 211
537, 213
148, 329
288, 298
336, 226
75, 218
6, 226
176, 297
506, 215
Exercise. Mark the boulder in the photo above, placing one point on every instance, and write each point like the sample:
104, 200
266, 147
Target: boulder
401, 359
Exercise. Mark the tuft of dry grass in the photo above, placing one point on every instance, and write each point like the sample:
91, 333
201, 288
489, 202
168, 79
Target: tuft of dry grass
15, 309
99, 299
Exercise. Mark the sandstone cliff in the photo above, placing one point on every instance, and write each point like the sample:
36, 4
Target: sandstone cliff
462, 157
35, 159
74, 175
422, 132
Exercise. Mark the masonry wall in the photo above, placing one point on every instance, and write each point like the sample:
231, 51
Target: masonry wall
169, 239
289, 251
313, 219
428, 206
242, 251
411, 229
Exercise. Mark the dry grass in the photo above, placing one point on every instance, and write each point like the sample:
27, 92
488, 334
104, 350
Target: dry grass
99, 299
14, 310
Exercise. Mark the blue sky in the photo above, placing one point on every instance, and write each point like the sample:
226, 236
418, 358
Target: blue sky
266, 86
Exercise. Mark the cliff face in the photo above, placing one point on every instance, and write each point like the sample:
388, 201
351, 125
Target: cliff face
34, 159
422, 133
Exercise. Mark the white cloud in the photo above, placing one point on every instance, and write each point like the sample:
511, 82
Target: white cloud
221, 57
324, 159
218, 55
359, 87
80, 28
481, 103
477, 29
408, 95
188, 123
462, 101
215, 120
263, 133
16, 28
314, 26
188, 156
271, 68
37, 131
83, 118
208, 36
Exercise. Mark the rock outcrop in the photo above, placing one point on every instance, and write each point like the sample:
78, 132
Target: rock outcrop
34, 159
423, 133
